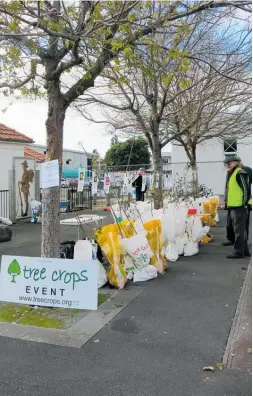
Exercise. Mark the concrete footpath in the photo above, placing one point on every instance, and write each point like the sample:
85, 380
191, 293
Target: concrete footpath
157, 345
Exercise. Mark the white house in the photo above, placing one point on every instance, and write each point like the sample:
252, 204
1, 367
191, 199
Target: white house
15, 144
12, 144
210, 156
166, 159
70, 158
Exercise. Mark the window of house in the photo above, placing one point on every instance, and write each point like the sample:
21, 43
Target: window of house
230, 146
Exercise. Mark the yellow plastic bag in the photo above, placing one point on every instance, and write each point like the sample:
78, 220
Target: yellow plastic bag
206, 208
154, 237
108, 240
206, 219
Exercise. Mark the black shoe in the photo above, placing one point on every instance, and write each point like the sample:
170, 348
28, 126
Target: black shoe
227, 243
247, 254
234, 256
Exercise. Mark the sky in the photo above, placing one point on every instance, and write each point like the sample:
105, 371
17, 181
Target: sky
30, 117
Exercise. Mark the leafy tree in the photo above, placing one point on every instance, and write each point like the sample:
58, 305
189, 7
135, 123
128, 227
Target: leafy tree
114, 140
57, 49
124, 155
14, 270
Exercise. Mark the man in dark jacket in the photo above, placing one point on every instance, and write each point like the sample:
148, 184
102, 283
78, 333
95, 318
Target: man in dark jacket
138, 185
230, 230
237, 196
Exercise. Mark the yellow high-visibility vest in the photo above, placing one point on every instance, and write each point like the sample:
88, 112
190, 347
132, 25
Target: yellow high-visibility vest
235, 193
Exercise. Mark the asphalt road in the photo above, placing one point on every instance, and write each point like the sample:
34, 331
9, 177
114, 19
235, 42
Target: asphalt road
156, 346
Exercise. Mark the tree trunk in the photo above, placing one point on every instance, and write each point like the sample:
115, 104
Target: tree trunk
158, 173
50, 245
194, 170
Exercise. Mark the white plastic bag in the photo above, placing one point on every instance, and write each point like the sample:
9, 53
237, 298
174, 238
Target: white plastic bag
102, 277
84, 250
202, 233
5, 221
180, 219
138, 248
144, 274
36, 209
129, 264
180, 241
196, 229
171, 253
168, 227
191, 248
130, 275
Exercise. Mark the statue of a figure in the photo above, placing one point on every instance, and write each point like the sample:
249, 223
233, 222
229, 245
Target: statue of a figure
24, 186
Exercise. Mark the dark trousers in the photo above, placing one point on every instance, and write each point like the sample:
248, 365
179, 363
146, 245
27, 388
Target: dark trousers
139, 195
230, 228
239, 221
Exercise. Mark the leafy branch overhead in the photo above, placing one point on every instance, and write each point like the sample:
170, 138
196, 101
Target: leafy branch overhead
42, 41
190, 84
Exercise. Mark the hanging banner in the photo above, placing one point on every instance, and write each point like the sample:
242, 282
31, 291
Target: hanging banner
144, 182
94, 188
81, 173
124, 191
127, 184
135, 176
49, 282
107, 184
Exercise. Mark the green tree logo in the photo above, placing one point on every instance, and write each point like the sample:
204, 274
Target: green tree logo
14, 270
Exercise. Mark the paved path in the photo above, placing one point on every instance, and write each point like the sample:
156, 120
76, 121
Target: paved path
26, 238
156, 346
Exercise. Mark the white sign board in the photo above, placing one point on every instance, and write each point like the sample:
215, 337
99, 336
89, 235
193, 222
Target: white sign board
49, 174
55, 283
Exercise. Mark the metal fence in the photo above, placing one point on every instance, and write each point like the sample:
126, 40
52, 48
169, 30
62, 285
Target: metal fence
209, 173
4, 203
71, 199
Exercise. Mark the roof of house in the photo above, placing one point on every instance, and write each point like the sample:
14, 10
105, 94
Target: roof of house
11, 135
29, 152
